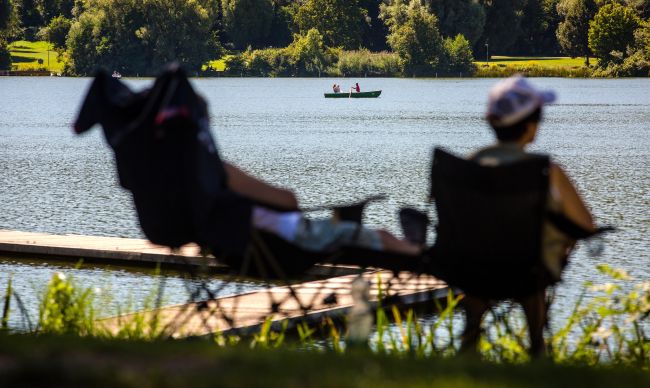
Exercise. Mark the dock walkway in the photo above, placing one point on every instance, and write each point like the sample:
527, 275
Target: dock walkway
102, 249
293, 303
245, 313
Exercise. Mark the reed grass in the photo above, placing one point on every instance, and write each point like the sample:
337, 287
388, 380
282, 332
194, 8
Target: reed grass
608, 326
363, 63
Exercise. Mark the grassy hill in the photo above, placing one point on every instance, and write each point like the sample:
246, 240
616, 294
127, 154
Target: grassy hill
26, 55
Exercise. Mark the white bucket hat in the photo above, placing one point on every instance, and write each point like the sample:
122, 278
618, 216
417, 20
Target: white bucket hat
513, 99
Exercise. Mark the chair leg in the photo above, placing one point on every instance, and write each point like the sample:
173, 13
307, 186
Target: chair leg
536, 314
475, 308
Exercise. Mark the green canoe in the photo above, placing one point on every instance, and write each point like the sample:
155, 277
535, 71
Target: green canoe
373, 94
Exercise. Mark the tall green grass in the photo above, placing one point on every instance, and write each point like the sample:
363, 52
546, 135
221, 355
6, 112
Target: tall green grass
501, 70
608, 325
363, 63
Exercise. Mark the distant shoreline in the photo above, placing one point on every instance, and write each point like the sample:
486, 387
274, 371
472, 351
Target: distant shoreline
39, 59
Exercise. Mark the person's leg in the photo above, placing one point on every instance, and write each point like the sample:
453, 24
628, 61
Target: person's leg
393, 244
328, 235
535, 309
475, 308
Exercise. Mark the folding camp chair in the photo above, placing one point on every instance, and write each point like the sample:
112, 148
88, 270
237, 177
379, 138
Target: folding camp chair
167, 159
489, 232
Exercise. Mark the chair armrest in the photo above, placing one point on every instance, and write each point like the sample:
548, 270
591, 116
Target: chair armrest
570, 228
348, 212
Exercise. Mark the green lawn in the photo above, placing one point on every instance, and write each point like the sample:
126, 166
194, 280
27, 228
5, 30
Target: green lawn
67, 361
547, 62
25, 56
218, 64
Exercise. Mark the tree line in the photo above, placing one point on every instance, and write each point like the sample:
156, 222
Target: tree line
304, 37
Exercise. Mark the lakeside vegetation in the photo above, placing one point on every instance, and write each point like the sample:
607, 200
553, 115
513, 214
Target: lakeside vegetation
30, 56
608, 326
412, 38
65, 361
503, 66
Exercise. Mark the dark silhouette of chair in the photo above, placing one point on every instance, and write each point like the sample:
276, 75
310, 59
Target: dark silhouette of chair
489, 236
167, 159
489, 227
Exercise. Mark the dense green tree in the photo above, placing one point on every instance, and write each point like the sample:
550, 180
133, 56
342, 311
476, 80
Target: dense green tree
573, 30
611, 33
57, 31
414, 36
375, 30
340, 22
280, 34
6, 10
459, 57
502, 24
49, 9
538, 25
308, 53
5, 55
466, 17
139, 36
30, 18
247, 22
641, 7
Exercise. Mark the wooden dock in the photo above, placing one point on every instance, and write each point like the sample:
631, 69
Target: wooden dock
292, 303
122, 251
102, 249
308, 302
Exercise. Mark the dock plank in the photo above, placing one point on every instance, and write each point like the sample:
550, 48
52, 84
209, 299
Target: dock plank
245, 312
98, 247
117, 250
248, 311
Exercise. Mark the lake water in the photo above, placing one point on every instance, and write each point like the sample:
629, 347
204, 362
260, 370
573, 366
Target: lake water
328, 151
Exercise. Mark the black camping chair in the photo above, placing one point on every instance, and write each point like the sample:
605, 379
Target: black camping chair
489, 224
167, 159
489, 236
489, 229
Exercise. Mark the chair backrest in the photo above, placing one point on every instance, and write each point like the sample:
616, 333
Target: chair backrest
166, 157
489, 223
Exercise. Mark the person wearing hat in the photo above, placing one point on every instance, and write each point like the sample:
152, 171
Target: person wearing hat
514, 112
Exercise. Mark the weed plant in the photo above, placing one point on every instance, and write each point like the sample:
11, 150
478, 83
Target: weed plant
610, 326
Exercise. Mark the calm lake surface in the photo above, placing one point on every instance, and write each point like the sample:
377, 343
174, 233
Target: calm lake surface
328, 151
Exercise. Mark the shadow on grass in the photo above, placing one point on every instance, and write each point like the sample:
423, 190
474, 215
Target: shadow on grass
68, 361
24, 51
15, 59
519, 59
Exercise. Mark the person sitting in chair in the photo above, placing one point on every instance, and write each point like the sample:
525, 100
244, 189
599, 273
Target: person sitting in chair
315, 235
515, 109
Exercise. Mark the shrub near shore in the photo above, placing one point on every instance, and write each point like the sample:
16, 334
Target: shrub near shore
499, 66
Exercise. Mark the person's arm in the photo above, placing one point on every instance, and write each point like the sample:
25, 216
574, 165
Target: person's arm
258, 190
573, 207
